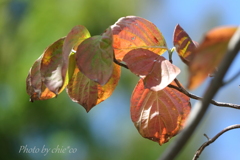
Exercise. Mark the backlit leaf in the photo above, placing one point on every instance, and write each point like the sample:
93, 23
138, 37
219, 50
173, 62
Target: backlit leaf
78, 34
95, 57
159, 115
88, 93
51, 66
183, 44
156, 70
55, 62
133, 32
35, 87
209, 54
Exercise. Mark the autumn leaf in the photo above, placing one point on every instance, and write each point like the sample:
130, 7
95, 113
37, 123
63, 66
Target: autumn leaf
209, 54
51, 66
95, 57
183, 44
156, 70
133, 32
36, 89
55, 62
159, 115
88, 93
75, 37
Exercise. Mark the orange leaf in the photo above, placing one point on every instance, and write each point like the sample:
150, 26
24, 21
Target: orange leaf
183, 44
51, 66
89, 93
156, 70
133, 32
209, 54
55, 61
95, 57
35, 87
159, 115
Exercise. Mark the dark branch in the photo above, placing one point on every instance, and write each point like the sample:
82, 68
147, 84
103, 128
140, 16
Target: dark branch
199, 151
193, 96
198, 111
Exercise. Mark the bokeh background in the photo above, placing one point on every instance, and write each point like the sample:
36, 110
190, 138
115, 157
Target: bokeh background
27, 27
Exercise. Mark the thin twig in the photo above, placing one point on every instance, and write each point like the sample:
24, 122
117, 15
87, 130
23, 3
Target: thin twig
233, 78
193, 96
199, 110
199, 151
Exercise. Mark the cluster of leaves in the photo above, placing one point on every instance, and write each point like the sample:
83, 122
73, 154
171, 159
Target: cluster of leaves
89, 68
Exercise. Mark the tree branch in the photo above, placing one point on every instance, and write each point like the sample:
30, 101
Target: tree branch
193, 96
199, 110
199, 151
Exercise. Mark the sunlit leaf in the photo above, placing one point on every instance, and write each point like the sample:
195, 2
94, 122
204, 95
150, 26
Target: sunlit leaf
51, 66
209, 54
133, 32
35, 87
73, 39
95, 57
159, 115
55, 62
183, 44
156, 70
88, 93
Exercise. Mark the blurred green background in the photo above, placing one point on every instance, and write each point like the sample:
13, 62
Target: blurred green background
27, 27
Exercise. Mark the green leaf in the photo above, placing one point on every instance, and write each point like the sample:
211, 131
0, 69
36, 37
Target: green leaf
95, 57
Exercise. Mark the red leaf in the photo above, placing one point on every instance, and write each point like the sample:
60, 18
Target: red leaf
183, 44
35, 87
133, 32
156, 70
160, 115
95, 58
89, 93
209, 54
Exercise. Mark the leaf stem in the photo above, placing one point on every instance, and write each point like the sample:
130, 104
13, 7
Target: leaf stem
170, 52
119, 63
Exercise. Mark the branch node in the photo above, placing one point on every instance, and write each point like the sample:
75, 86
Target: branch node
207, 137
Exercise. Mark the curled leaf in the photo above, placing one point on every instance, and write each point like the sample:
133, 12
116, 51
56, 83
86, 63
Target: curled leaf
133, 32
51, 66
36, 89
209, 54
55, 61
159, 115
183, 44
156, 70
